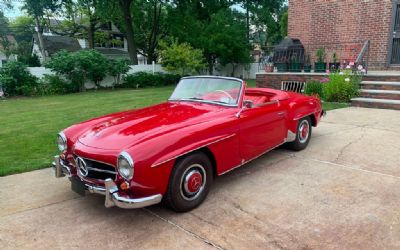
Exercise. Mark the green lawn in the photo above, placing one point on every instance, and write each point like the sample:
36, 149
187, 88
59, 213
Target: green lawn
28, 126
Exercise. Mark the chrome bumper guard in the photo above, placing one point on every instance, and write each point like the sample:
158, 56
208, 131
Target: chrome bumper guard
110, 190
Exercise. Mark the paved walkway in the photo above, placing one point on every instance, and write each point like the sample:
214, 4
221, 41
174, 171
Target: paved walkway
342, 192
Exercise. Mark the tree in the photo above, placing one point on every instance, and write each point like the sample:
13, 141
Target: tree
149, 19
6, 45
22, 27
37, 9
231, 45
190, 22
181, 58
120, 12
283, 22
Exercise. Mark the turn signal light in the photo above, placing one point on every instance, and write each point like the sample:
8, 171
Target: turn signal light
124, 185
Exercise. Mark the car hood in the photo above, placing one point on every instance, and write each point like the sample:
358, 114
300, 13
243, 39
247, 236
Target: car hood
125, 129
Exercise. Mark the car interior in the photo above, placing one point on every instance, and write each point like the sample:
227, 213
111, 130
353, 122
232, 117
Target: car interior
259, 96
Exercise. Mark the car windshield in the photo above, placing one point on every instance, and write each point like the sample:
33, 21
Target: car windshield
212, 90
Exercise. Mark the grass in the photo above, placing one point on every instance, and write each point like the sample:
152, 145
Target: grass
334, 105
28, 126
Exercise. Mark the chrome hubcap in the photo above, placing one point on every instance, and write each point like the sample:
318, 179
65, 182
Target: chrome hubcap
304, 131
193, 182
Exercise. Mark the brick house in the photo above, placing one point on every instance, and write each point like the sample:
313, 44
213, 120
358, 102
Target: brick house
344, 26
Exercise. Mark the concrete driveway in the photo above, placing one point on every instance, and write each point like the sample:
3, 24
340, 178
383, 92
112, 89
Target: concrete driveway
342, 192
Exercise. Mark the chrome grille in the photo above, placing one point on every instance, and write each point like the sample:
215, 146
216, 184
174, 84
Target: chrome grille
94, 169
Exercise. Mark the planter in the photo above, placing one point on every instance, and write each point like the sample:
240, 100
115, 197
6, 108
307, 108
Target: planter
334, 67
295, 67
307, 68
320, 67
269, 68
281, 67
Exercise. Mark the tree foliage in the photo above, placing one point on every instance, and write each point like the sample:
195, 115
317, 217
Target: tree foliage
181, 58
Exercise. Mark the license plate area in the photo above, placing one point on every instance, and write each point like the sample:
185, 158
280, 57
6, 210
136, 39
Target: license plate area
78, 186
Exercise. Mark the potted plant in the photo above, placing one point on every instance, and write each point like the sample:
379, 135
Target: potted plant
269, 67
320, 65
307, 64
295, 65
281, 64
335, 65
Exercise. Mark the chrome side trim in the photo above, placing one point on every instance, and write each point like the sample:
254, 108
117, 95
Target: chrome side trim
244, 162
187, 152
114, 199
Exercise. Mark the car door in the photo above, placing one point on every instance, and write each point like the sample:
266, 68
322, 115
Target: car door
261, 128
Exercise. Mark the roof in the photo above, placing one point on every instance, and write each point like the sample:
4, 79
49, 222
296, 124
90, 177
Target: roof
53, 44
11, 39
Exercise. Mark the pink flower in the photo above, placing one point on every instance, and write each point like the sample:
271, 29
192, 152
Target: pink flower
351, 63
324, 80
328, 71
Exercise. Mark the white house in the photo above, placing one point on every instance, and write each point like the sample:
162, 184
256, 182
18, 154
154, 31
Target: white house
116, 46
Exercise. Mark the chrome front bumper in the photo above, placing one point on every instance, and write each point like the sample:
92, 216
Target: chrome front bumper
113, 198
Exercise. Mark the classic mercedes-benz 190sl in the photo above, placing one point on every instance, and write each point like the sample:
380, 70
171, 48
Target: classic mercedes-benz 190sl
173, 151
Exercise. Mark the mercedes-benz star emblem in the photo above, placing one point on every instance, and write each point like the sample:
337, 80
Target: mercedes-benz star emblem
82, 166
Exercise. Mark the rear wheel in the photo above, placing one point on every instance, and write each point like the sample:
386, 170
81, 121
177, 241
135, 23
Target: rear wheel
189, 183
303, 135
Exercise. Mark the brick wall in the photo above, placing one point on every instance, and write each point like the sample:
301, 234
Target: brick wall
274, 80
348, 23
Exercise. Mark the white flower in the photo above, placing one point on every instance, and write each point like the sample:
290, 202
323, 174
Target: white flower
347, 79
348, 67
360, 67
363, 70
341, 73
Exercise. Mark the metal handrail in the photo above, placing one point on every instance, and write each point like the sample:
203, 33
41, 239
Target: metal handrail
364, 53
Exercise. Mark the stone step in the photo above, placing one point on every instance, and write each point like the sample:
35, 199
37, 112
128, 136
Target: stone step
375, 103
380, 94
380, 85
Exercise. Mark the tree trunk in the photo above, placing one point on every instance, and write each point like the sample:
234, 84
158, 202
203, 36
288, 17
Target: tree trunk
126, 10
248, 20
39, 31
91, 34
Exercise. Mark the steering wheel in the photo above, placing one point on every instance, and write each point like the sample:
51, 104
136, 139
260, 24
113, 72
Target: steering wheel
225, 93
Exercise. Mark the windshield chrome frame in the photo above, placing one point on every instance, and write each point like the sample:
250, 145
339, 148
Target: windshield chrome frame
239, 99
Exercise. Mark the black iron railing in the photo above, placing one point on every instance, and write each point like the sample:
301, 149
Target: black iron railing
333, 55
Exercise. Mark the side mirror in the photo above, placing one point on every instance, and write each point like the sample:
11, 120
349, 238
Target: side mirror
248, 104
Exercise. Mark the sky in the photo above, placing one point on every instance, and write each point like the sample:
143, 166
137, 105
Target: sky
16, 11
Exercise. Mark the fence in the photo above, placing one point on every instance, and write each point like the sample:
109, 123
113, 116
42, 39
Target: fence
246, 72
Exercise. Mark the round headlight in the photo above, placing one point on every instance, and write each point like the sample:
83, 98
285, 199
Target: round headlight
125, 166
61, 142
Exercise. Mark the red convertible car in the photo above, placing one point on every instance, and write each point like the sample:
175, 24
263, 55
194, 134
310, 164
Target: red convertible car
173, 151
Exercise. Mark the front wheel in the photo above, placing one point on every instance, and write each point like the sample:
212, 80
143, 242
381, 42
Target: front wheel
189, 183
303, 135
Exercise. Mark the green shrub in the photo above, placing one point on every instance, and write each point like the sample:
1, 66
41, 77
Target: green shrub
342, 87
54, 84
314, 88
80, 65
145, 79
116, 69
17, 80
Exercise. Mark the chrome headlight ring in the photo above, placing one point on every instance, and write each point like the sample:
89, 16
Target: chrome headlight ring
61, 142
125, 165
